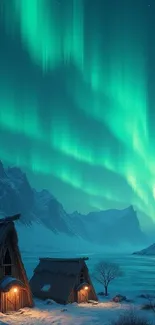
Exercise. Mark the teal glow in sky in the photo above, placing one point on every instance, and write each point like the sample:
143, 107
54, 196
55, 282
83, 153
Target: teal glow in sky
77, 99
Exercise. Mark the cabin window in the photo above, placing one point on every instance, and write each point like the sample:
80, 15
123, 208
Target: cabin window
46, 287
7, 265
82, 277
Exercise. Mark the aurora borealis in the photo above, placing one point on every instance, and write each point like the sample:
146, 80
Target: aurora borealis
77, 99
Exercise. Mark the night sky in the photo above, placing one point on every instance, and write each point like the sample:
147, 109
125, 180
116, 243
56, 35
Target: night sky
77, 99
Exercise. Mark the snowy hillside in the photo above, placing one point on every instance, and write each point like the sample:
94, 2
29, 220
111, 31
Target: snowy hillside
114, 226
38, 237
38, 241
149, 251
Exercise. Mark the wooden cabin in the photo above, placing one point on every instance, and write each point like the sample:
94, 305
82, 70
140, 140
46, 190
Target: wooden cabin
15, 292
63, 280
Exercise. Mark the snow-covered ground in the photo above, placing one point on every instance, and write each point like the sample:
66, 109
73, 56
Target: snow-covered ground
139, 277
44, 314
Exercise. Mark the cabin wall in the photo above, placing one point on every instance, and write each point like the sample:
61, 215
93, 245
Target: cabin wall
92, 293
7, 245
82, 277
11, 301
17, 270
85, 295
23, 298
73, 297
21, 273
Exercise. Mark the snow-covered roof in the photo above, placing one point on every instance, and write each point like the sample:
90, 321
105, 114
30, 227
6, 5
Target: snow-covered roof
8, 282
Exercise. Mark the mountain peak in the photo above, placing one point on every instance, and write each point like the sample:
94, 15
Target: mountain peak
147, 251
103, 227
131, 208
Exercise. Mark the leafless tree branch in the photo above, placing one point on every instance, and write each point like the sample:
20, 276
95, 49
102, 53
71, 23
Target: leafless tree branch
105, 272
151, 303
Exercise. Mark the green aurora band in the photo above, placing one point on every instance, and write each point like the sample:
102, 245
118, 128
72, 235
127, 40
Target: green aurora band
94, 136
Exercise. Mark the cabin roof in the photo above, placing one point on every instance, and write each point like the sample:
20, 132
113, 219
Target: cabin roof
71, 259
60, 273
7, 226
68, 267
10, 218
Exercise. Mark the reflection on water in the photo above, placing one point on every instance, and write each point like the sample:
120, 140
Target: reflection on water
138, 271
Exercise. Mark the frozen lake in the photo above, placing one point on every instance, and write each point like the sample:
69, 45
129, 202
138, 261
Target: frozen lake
138, 273
138, 277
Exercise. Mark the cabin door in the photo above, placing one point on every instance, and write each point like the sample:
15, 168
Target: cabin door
12, 301
82, 296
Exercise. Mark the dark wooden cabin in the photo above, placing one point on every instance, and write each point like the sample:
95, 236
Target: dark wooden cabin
15, 292
63, 280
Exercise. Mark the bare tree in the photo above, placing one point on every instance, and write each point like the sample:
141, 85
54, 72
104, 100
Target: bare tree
105, 272
151, 303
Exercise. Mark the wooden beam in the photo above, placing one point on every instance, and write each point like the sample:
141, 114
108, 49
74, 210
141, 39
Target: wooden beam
10, 218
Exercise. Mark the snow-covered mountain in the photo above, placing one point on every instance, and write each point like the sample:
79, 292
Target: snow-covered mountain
110, 227
16, 195
147, 225
114, 226
149, 251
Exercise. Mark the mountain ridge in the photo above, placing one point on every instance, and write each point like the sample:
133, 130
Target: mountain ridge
149, 251
112, 227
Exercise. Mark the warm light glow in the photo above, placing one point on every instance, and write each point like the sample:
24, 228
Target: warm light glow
15, 290
86, 288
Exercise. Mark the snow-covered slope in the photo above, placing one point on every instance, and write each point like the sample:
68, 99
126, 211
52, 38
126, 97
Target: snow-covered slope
149, 251
36, 240
17, 196
112, 227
